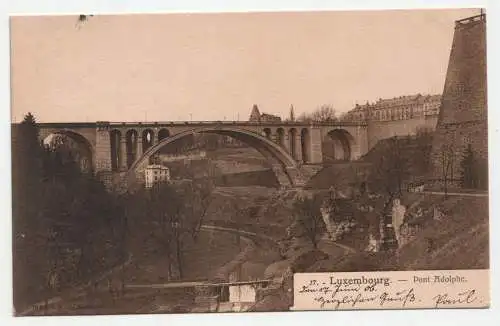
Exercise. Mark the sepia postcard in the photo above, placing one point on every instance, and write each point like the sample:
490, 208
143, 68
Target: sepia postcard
249, 162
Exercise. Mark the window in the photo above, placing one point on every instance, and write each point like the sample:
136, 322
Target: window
459, 89
224, 293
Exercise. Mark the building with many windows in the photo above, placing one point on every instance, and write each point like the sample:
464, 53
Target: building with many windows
156, 173
397, 108
398, 116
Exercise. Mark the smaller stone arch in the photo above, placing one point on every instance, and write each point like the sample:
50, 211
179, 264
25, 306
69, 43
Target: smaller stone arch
84, 150
292, 136
163, 133
131, 138
267, 133
115, 137
337, 146
304, 142
148, 136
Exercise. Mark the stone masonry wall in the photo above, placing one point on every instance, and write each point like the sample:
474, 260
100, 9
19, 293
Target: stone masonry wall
379, 130
463, 115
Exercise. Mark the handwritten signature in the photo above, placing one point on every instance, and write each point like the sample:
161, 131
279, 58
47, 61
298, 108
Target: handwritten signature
445, 299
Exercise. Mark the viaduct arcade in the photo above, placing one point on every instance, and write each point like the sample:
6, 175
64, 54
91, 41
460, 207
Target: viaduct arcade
293, 149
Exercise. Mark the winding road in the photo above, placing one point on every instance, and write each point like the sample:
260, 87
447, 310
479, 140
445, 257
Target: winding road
83, 291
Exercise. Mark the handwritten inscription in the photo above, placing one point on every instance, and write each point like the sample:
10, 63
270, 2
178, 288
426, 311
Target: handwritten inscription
391, 290
347, 293
468, 297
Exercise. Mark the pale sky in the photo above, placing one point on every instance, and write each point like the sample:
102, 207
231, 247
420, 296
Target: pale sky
216, 66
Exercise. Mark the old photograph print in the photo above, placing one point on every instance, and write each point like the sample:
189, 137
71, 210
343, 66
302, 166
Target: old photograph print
182, 163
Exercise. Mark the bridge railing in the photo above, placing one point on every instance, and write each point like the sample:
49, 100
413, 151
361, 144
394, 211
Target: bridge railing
66, 125
245, 123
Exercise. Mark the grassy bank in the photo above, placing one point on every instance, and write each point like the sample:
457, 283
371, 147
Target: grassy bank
460, 240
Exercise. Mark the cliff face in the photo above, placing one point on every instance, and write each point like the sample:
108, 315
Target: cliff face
463, 115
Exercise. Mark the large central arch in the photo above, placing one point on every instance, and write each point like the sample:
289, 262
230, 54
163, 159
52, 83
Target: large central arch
282, 162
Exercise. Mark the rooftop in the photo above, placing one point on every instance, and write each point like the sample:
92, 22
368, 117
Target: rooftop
395, 101
407, 99
473, 19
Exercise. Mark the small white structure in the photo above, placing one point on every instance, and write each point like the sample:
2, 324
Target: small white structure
398, 215
373, 244
156, 173
240, 292
330, 228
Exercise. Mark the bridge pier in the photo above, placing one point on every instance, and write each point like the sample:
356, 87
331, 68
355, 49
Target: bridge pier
315, 142
123, 153
286, 140
298, 147
139, 145
102, 152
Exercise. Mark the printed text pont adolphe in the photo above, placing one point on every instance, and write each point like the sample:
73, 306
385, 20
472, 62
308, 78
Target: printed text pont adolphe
391, 290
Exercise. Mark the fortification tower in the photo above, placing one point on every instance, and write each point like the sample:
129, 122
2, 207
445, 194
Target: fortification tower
463, 115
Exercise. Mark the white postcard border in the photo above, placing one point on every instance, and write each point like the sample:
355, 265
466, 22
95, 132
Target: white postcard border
455, 317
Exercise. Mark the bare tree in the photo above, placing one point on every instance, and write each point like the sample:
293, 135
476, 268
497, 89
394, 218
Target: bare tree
391, 168
292, 114
447, 159
325, 113
165, 208
308, 215
201, 199
424, 138
198, 197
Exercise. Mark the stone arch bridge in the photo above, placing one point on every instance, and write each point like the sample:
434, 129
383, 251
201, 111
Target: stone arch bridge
294, 149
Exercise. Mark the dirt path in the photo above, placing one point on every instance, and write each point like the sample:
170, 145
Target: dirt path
462, 194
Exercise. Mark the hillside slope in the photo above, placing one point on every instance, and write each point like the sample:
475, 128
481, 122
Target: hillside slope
413, 150
460, 240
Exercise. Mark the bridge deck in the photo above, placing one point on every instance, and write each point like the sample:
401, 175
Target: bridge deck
191, 123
